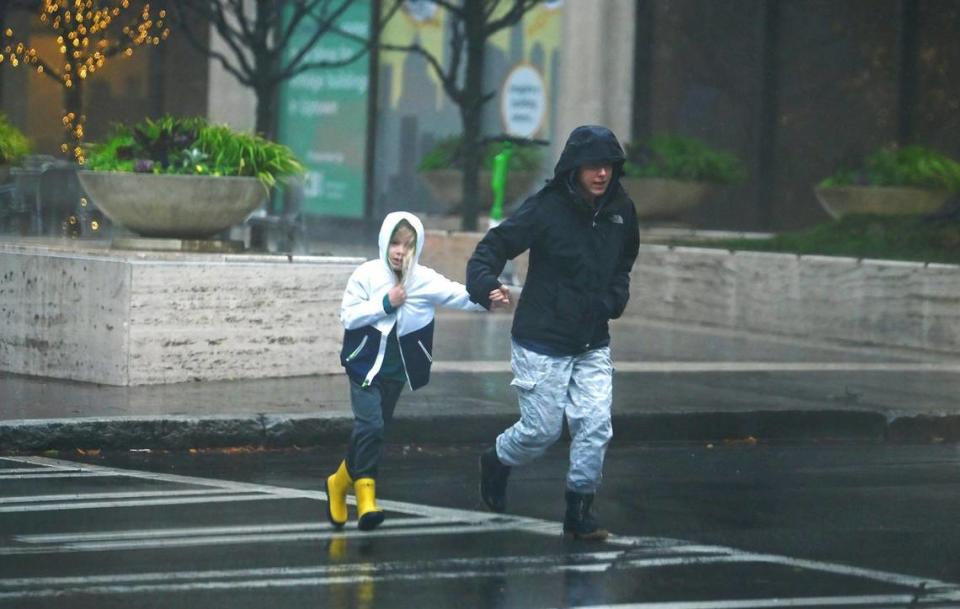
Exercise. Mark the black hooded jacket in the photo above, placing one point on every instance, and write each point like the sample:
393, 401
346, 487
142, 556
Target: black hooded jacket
581, 253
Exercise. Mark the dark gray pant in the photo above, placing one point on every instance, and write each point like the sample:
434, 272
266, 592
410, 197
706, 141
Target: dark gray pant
372, 412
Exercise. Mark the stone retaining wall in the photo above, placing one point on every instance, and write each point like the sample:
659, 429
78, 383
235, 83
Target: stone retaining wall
876, 302
133, 319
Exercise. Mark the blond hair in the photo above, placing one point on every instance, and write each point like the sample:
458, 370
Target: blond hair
405, 231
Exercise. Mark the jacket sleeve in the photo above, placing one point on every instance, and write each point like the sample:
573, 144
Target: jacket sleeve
451, 294
360, 308
616, 297
501, 243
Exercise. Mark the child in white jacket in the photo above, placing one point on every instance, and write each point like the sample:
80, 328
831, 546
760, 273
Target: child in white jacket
387, 313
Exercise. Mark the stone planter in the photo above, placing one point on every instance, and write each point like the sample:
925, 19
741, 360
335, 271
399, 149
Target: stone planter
839, 201
664, 199
173, 206
446, 187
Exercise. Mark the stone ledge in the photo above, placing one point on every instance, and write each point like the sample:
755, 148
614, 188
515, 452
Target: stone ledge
135, 318
882, 303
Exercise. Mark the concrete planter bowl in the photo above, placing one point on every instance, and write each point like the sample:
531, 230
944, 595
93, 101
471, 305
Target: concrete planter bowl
173, 206
446, 187
839, 201
665, 199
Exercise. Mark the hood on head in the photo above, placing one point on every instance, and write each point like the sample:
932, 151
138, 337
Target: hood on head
386, 231
590, 144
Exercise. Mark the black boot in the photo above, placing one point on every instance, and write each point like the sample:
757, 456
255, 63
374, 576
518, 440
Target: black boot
493, 480
579, 523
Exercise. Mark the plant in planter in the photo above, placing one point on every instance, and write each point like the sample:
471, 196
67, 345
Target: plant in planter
442, 172
893, 181
13, 147
183, 177
668, 175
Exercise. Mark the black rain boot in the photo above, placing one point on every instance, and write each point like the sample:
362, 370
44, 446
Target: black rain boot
493, 480
579, 523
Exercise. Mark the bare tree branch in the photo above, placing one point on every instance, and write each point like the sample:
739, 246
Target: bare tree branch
322, 29
515, 14
265, 48
450, 7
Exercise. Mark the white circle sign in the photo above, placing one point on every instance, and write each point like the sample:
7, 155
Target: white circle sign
523, 102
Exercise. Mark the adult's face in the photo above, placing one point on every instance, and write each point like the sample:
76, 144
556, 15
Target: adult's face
594, 179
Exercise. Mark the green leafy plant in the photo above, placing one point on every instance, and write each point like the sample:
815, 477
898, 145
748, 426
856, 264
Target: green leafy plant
13, 143
682, 158
908, 166
171, 145
447, 154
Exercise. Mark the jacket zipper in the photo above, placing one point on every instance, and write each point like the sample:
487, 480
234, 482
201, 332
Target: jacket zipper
357, 351
425, 352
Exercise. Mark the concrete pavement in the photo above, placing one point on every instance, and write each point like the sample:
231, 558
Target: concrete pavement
673, 383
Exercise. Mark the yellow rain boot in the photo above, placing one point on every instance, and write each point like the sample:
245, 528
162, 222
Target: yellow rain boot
369, 516
337, 486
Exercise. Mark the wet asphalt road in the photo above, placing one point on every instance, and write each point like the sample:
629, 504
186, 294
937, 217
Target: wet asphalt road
871, 525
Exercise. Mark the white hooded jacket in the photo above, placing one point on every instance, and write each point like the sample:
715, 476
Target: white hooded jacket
367, 325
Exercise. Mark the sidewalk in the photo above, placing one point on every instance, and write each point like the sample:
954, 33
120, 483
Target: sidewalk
672, 383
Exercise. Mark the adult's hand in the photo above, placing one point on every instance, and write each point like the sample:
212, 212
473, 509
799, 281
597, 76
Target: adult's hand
499, 297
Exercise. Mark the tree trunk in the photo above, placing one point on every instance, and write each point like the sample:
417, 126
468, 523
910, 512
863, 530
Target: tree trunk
766, 127
470, 117
907, 73
266, 124
470, 112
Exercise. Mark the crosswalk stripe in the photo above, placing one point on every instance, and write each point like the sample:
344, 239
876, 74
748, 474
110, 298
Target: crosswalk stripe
580, 558
115, 495
206, 531
37, 470
472, 521
880, 601
61, 474
91, 505
220, 540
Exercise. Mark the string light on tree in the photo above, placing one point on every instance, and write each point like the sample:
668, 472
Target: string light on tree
88, 34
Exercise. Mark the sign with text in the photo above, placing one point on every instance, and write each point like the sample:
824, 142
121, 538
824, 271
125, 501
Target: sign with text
523, 101
323, 116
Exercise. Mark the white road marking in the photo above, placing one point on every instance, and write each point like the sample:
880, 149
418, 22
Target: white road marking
116, 495
476, 522
37, 470
699, 367
223, 540
468, 516
204, 531
880, 601
65, 474
581, 558
91, 505
832, 568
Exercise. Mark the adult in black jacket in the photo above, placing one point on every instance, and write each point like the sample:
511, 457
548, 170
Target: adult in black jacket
581, 230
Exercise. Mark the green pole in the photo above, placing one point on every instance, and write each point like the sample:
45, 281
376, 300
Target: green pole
498, 181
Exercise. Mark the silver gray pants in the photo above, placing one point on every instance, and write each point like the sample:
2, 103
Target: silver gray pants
548, 387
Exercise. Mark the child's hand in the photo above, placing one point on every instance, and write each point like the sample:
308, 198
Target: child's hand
397, 295
499, 298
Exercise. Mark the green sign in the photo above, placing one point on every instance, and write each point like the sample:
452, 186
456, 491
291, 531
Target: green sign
323, 117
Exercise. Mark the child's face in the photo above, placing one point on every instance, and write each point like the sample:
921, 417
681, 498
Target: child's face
400, 244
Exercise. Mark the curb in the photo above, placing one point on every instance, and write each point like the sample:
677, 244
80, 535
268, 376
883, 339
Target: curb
279, 431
